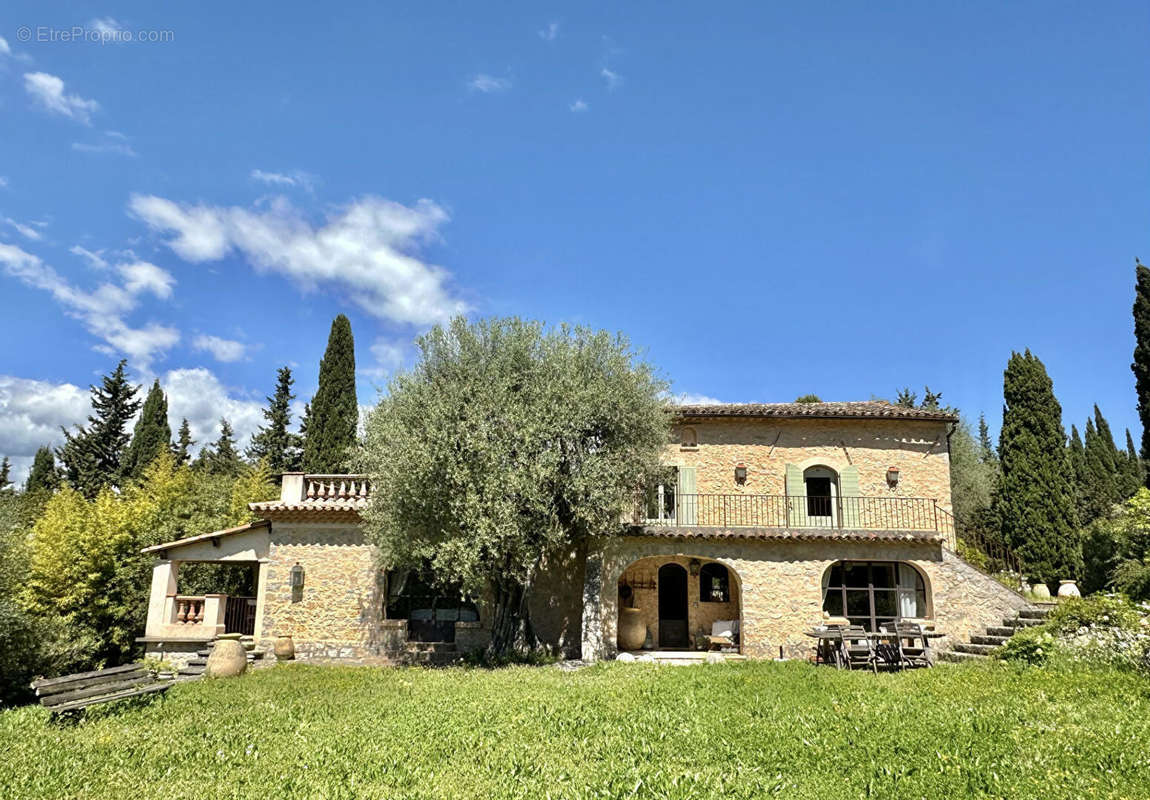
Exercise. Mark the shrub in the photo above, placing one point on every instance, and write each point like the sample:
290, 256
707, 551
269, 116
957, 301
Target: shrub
1096, 611
1033, 646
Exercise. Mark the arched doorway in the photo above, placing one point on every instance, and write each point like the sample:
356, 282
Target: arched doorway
875, 593
821, 485
673, 631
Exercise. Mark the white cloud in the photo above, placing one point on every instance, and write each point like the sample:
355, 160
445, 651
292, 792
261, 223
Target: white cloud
108, 29
614, 79
5, 50
295, 178
692, 399
549, 33
579, 106
367, 249
197, 395
103, 309
48, 91
3, 182
27, 231
489, 83
389, 356
94, 259
114, 148
226, 350
31, 415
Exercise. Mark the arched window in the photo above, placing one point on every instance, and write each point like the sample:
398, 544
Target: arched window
821, 486
874, 593
688, 439
714, 583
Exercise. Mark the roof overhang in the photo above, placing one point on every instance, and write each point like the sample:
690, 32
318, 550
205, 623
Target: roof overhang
208, 544
786, 534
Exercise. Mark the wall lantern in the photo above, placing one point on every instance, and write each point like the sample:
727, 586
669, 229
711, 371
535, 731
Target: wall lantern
694, 565
740, 473
297, 576
892, 476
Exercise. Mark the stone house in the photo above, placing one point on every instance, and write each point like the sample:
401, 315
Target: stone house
769, 518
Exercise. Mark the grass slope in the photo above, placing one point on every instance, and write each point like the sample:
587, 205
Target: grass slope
738, 730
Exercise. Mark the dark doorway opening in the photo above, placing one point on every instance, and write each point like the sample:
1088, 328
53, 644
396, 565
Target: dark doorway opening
431, 610
672, 606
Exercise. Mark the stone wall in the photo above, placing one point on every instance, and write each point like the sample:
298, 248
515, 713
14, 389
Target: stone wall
338, 611
780, 587
556, 604
917, 447
700, 615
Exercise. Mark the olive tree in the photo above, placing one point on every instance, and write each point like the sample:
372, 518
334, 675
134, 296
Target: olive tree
506, 442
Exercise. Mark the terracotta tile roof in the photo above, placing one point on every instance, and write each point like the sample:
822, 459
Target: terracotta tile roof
784, 534
870, 409
356, 505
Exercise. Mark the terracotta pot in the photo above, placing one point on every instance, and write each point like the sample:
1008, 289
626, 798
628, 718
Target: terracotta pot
284, 648
227, 660
632, 629
1040, 590
1068, 589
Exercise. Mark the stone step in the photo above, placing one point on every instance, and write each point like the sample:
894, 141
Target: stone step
1001, 630
975, 649
429, 658
1034, 613
1022, 622
995, 641
958, 658
431, 647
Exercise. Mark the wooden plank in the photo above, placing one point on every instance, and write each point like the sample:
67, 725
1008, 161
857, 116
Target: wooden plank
91, 701
80, 675
60, 688
95, 691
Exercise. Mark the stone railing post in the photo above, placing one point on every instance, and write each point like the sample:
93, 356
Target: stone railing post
215, 606
291, 487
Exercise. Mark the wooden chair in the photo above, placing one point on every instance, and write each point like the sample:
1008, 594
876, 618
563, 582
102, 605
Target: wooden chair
73, 692
857, 649
913, 645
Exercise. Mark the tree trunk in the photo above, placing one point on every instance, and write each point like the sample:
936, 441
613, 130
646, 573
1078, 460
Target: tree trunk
511, 631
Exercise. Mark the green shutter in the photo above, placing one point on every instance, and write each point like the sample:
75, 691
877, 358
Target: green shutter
849, 488
796, 496
687, 498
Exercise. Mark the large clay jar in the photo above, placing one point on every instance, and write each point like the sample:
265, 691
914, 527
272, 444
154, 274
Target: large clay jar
1068, 589
1040, 591
632, 629
227, 660
284, 648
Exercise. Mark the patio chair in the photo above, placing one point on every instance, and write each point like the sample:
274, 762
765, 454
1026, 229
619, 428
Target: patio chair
913, 646
857, 649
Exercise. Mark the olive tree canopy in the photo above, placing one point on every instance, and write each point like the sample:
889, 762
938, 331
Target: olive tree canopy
507, 442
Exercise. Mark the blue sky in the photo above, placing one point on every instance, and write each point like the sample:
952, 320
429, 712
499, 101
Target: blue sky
770, 200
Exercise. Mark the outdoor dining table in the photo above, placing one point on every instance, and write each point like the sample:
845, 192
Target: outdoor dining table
885, 646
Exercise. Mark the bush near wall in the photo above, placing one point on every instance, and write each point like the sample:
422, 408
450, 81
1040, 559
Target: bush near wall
1097, 630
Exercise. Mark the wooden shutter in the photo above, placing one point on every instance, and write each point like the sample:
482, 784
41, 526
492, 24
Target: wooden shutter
687, 497
796, 496
849, 488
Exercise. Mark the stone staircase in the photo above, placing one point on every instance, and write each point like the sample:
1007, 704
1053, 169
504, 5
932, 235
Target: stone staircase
981, 645
429, 654
196, 666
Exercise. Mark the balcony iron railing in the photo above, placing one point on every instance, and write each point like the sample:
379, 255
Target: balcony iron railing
782, 511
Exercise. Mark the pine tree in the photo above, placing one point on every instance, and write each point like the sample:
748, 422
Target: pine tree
1134, 468
334, 411
1141, 365
220, 457
1036, 497
184, 443
93, 456
1099, 491
43, 474
274, 443
985, 445
5, 471
152, 436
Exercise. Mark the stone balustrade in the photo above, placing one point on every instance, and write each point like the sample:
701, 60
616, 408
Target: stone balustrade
320, 488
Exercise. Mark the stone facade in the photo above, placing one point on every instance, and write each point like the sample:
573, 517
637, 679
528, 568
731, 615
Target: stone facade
779, 586
642, 575
918, 448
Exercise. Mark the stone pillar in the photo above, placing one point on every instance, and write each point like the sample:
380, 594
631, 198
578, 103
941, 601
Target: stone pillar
592, 607
214, 607
164, 574
261, 598
291, 487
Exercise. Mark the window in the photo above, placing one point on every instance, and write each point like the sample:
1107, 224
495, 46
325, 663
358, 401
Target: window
820, 485
688, 439
714, 583
661, 497
874, 593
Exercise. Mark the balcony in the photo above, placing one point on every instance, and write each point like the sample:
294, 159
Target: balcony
790, 512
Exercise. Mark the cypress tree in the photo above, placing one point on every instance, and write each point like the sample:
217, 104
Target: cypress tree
220, 457
274, 442
152, 436
1099, 491
5, 471
334, 411
1141, 365
1133, 463
985, 446
1036, 498
184, 442
1107, 438
93, 456
43, 474
1076, 452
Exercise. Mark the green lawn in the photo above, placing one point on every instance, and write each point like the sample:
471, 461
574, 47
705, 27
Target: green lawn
736, 730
